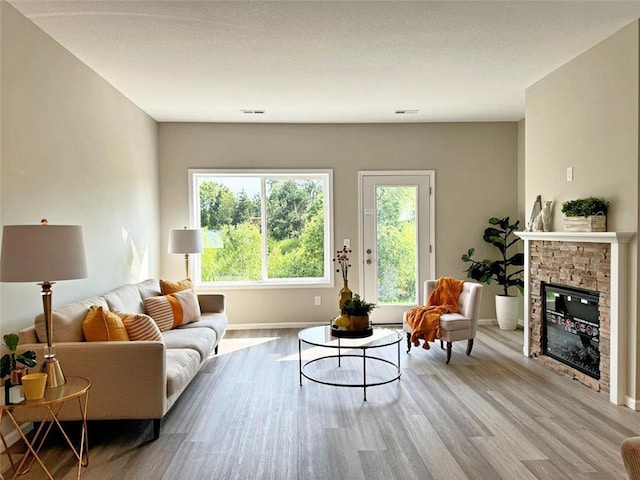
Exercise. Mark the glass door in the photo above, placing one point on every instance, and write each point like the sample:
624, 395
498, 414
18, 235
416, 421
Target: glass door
397, 240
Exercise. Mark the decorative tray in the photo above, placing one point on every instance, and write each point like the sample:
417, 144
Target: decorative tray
351, 333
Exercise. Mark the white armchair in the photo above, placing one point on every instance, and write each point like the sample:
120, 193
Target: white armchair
454, 326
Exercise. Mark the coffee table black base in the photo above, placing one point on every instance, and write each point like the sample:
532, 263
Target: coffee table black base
321, 337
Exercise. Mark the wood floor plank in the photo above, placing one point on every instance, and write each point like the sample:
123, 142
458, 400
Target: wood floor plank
492, 415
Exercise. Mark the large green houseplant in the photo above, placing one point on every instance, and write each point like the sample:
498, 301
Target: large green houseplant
505, 271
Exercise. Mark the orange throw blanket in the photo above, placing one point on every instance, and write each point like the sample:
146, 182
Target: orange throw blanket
425, 320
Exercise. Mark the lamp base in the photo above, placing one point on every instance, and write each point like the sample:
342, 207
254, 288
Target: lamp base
55, 377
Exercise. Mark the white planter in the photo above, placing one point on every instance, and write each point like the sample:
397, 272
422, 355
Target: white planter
507, 310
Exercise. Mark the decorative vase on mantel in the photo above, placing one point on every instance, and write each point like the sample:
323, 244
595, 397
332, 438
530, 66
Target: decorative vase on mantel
345, 295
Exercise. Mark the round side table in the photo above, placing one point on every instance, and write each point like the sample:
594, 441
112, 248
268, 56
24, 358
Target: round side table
49, 408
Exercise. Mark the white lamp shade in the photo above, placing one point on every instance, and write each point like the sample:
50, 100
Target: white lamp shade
39, 253
185, 240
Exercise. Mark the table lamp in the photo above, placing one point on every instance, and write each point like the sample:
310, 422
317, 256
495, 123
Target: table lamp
44, 253
185, 240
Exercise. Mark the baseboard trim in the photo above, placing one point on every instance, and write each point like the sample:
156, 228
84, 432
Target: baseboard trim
632, 403
268, 326
14, 437
487, 321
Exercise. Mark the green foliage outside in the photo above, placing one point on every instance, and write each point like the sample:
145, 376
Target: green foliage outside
239, 260
396, 245
295, 231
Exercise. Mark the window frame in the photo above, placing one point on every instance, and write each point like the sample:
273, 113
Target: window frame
326, 175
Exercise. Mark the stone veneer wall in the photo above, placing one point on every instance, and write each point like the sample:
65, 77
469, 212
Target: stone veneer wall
581, 265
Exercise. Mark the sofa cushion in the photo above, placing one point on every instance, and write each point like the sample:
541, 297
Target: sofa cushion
182, 365
167, 287
101, 325
125, 299
149, 288
140, 327
67, 321
215, 321
201, 340
173, 310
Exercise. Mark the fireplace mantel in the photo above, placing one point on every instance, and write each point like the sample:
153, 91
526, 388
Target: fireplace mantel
592, 237
618, 291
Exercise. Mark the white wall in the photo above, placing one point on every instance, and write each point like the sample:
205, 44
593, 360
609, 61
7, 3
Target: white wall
76, 151
476, 178
585, 115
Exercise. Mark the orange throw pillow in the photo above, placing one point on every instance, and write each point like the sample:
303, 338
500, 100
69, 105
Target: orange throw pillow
101, 325
167, 287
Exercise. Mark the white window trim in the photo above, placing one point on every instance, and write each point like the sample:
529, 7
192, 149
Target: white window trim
327, 281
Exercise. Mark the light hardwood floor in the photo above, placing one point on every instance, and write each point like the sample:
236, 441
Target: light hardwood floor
494, 415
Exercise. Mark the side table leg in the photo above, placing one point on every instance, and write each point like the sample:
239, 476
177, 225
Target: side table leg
398, 357
30, 451
339, 353
83, 457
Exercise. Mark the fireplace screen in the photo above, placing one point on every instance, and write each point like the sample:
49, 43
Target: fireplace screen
571, 332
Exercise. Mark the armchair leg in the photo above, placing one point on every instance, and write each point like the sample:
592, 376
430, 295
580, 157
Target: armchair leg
408, 342
441, 344
448, 352
469, 346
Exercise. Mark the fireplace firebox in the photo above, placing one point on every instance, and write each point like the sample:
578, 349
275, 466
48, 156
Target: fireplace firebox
571, 327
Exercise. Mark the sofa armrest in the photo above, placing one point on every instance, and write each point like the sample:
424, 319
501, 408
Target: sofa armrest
211, 302
128, 379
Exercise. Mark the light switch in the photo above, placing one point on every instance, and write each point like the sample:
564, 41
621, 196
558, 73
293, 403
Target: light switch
569, 174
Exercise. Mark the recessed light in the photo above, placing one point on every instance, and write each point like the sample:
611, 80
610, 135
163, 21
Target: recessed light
406, 112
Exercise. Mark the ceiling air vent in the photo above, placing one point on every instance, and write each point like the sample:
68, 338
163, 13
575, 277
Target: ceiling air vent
406, 112
253, 112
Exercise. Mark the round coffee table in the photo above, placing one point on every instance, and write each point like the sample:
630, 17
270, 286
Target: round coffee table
321, 337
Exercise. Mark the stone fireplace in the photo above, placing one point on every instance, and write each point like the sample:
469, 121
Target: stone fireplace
580, 260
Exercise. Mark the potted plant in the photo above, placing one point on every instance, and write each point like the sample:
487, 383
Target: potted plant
586, 214
358, 311
502, 270
10, 362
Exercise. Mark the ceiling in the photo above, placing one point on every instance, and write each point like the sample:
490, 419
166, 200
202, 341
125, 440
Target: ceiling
327, 62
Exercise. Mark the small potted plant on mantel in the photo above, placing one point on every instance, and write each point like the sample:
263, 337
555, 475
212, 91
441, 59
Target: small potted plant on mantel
585, 215
486, 271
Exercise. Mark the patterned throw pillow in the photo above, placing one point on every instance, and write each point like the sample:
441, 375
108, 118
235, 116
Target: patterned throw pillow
101, 325
167, 287
169, 311
140, 327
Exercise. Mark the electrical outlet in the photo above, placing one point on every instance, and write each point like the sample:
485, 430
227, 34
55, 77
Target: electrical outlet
318, 301
569, 174
347, 243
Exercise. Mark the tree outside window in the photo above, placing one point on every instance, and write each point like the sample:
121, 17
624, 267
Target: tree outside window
263, 227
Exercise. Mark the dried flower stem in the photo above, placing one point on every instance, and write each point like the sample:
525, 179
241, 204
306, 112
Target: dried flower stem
342, 260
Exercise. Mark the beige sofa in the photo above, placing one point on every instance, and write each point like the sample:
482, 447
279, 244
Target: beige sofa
134, 379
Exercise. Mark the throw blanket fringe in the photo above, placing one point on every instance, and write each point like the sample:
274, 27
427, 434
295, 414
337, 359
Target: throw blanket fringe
425, 320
